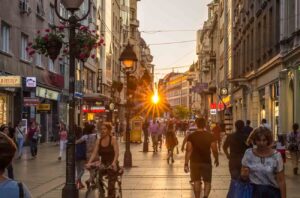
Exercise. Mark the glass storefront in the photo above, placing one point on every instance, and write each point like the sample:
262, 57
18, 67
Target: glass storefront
3, 109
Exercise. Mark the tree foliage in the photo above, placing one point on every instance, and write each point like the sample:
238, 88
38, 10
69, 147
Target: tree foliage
181, 112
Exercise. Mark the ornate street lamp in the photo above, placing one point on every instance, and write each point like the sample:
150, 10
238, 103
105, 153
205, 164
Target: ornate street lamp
128, 59
70, 189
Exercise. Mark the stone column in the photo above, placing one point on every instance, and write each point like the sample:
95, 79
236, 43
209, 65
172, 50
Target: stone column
268, 105
283, 85
297, 96
255, 109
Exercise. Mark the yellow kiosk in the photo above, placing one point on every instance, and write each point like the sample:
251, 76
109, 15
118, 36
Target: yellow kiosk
136, 129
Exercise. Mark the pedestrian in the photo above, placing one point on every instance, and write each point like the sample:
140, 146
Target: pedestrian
171, 142
161, 132
63, 138
154, 130
265, 124
20, 138
10, 171
236, 143
248, 129
9, 188
80, 155
280, 146
33, 134
90, 138
293, 139
11, 131
192, 128
198, 153
263, 166
107, 148
217, 134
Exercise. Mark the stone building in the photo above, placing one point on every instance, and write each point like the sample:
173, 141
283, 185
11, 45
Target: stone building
20, 20
256, 61
289, 75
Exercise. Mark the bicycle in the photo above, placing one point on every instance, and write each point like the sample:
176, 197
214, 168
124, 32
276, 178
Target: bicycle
107, 181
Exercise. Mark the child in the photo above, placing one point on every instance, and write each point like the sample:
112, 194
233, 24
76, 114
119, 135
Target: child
280, 147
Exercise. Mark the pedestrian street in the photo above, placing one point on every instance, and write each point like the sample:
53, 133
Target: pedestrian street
150, 175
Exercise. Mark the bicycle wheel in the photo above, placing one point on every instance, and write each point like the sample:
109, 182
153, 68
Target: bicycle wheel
118, 189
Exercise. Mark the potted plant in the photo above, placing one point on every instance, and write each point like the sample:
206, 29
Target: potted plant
49, 43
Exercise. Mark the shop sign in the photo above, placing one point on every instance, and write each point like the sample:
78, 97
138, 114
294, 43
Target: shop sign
10, 81
46, 93
93, 109
30, 81
213, 111
31, 101
227, 99
43, 107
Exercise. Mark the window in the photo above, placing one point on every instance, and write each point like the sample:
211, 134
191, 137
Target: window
24, 44
40, 8
50, 65
38, 59
51, 15
5, 32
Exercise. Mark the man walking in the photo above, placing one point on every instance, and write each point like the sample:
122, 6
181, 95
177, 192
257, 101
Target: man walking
154, 130
236, 142
198, 153
248, 129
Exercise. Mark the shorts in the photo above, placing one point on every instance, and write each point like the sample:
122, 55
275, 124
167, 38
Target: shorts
201, 171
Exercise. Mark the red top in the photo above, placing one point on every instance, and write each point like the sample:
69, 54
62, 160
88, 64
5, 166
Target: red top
63, 135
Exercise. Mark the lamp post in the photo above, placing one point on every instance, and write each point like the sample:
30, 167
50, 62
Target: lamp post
72, 6
128, 59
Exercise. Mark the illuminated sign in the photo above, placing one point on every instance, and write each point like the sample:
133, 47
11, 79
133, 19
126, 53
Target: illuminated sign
10, 81
30, 81
43, 107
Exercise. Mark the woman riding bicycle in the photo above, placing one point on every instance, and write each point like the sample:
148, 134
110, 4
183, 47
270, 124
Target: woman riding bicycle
107, 149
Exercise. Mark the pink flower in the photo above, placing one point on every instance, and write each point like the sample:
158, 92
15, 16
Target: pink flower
83, 28
38, 32
29, 44
94, 31
81, 56
61, 27
46, 38
47, 30
27, 48
93, 56
31, 52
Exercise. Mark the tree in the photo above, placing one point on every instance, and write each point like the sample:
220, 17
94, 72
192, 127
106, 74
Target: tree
181, 112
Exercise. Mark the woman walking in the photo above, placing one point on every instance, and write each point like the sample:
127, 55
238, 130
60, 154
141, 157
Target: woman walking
80, 157
20, 137
264, 166
171, 142
293, 140
90, 139
63, 138
33, 133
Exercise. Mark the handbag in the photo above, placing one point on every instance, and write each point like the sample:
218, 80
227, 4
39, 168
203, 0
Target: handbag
240, 189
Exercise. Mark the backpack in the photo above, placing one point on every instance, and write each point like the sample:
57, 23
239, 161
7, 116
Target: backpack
21, 190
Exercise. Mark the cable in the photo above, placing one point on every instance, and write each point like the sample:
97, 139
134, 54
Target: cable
175, 42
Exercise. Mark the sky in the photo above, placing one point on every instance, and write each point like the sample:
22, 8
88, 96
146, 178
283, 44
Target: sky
184, 16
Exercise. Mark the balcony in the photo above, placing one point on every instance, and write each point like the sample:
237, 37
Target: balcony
135, 22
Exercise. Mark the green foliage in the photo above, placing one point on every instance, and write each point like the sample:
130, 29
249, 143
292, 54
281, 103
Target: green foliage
181, 112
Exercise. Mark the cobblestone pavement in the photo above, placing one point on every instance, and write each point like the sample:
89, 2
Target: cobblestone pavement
150, 175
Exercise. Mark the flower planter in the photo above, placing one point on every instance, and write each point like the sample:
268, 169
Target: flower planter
53, 48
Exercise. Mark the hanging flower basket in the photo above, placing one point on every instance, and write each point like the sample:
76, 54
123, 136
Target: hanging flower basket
48, 44
53, 47
117, 85
85, 42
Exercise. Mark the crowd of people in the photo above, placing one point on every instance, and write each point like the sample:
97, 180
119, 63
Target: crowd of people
252, 154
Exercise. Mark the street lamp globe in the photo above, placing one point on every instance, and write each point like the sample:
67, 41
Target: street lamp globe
71, 4
128, 58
